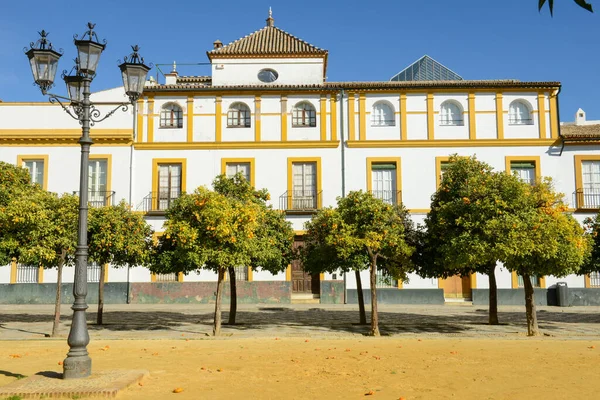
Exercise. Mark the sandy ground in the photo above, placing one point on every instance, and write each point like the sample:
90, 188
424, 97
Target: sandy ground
298, 368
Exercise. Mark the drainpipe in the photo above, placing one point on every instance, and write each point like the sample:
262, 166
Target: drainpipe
343, 143
562, 146
133, 139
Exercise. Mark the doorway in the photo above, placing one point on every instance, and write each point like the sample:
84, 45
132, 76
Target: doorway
302, 281
456, 287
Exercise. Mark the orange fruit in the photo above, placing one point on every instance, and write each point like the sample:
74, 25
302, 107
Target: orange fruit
177, 390
60, 363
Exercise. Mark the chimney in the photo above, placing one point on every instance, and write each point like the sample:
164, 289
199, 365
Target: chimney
270, 20
217, 44
171, 77
580, 117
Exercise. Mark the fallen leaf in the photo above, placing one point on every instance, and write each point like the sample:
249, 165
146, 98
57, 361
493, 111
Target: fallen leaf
592, 347
154, 354
140, 383
187, 340
377, 357
219, 370
347, 349
203, 368
370, 393
402, 398
177, 390
15, 356
306, 341
276, 338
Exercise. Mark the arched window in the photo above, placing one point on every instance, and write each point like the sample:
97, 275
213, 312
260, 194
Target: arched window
519, 113
238, 116
451, 114
171, 116
304, 114
383, 114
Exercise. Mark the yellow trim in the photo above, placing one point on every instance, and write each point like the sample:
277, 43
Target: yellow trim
152, 277
534, 159
472, 119
40, 274
190, 119
218, 119
158, 161
515, 281
295, 144
438, 169
225, 161
321, 276
317, 161
554, 116
542, 114
579, 176
417, 112
284, 115
362, 117
106, 273
250, 274
13, 271
36, 157
430, 117
140, 121
403, 121
394, 160
150, 133
485, 112
108, 158
351, 117
451, 143
257, 108
288, 273
473, 277
333, 112
499, 116
419, 210
323, 117
587, 281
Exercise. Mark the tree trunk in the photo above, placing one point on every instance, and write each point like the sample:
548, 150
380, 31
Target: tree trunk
232, 296
217, 322
532, 325
100, 294
56, 322
361, 299
374, 316
493, 313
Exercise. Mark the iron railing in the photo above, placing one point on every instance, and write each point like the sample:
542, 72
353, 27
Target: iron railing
300, 201
587, 198
241, 273
93, 272
595, 279
159, 201
27, 273
388, 196
452, 122
520, 121
172, 277
384, 281
97, 199
383, 122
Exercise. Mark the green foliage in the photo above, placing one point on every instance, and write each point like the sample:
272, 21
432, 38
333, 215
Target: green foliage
581, 3
118, 236
592, 262
359, 229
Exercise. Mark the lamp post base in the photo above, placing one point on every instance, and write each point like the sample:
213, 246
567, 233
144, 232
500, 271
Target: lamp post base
77, 367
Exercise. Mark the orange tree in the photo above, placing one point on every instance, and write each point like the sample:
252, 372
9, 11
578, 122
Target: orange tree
542, 240
215, 231
580, 3
119, 237
462, 234
361, 233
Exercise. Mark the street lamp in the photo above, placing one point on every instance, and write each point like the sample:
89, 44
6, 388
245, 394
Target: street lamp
44, 63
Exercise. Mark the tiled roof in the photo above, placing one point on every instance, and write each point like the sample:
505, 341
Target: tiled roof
190, 84
580, 131
268, 41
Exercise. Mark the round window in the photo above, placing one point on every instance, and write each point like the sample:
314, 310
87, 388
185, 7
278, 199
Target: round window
268, 75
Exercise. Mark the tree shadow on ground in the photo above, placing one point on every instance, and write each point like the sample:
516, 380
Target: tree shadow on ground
12, 374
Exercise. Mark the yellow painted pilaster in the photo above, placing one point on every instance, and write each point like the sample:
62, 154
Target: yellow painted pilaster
553, 116
472, 121
403, 123
41, 275
362, 117
13, 271
140, 121
150, 119
499, 116
333, 107
257, 102
218, 119
250, 274
588, 281
542, 114
430, 117
351, 117
288, 273
323, 117
284, 119
190, 119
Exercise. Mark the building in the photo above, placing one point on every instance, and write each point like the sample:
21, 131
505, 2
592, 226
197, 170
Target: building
267, 111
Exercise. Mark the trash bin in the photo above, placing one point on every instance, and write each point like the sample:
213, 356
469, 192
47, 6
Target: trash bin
562, 294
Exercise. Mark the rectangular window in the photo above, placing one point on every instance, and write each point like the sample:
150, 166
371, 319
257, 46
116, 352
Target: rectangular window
535, 281
384, 281
590, 191
241, 273
36, 171
97, 183
304, 185
27, 273
525, 170
169, 185
233, 168
383, 182
595, 279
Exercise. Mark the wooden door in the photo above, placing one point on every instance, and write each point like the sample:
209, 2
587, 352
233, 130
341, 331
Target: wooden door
303, 282
456, 286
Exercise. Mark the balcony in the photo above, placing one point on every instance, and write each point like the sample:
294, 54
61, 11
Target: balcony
159, 202
388, 196
587, 199
300, 202
97, 199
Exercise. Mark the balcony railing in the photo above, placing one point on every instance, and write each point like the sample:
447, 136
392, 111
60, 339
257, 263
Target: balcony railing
300, 201
388, 196
587, 198
27, 273
98, 199
159, 201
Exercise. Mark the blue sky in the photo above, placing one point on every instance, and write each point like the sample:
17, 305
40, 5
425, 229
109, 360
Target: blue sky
366, 40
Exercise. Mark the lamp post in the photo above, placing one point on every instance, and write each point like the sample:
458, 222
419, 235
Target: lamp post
44, 63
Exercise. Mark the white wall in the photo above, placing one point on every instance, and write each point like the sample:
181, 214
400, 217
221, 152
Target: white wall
292, 71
